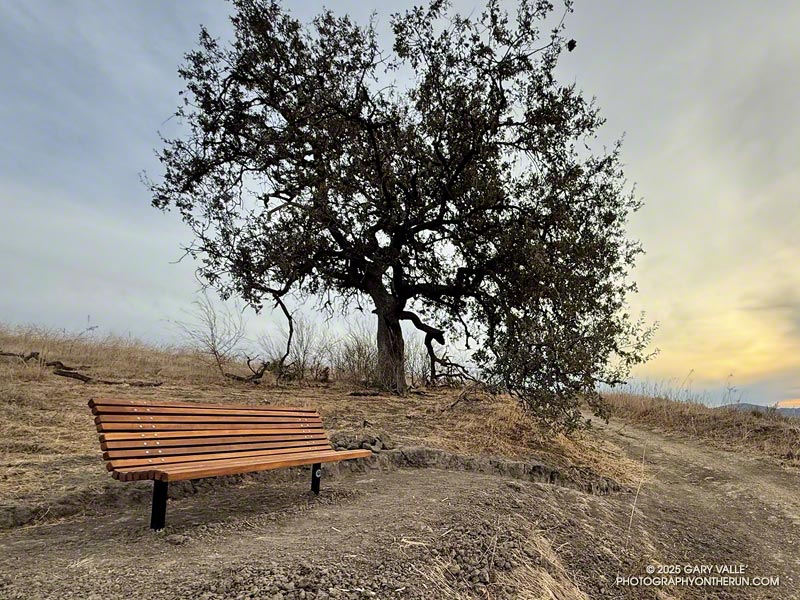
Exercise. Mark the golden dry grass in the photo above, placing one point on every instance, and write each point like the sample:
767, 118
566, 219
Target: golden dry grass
106, 356
546, 579
766, 433
48, 444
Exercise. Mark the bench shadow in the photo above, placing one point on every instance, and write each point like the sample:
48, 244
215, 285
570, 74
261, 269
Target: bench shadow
121, 511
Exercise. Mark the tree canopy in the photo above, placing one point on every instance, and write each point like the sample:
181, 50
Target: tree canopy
449, 180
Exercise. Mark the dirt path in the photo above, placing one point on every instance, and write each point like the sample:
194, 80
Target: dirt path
729, 507
429, 533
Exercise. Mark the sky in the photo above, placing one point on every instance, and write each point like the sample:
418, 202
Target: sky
706, 94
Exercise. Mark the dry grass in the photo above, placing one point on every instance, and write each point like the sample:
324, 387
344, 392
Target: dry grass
498, 425
539, 573
108, 356
48, 445
766, 433
545, 579
484, 425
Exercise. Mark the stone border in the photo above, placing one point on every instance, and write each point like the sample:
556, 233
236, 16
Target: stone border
420, 457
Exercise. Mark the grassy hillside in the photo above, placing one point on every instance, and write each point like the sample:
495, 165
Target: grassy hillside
447, 531
768, 433
49, 444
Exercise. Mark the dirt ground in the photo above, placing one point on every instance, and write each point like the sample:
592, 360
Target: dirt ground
386, 532
703, 505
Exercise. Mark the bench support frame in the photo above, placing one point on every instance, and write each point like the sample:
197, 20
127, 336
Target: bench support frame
159, 514
316, 475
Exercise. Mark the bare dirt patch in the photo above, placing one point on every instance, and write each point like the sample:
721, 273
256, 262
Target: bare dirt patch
423, 533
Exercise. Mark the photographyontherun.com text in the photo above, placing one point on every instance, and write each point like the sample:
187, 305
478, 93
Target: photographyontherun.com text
693, 575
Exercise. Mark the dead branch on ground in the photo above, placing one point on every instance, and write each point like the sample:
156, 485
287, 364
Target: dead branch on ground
88, 379
473, 391
62, 370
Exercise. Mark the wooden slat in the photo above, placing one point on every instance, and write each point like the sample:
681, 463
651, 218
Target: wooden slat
148, 472
199, 410
170, 403
163, 435
244, 461
106, 427
175, 440
201, 419
135, 445
174, 468
202, 461
159, 461
199, 470
152, 451
175, 474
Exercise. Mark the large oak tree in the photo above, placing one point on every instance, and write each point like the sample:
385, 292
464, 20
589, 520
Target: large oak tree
448, 180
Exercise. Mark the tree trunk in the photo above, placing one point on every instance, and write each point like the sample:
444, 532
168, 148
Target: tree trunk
391, 372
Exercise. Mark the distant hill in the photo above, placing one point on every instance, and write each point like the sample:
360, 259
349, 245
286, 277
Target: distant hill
786, 412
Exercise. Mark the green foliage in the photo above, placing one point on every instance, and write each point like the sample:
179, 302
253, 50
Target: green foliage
466, 200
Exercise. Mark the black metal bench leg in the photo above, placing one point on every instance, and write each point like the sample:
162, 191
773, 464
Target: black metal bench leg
316, 474
159, 514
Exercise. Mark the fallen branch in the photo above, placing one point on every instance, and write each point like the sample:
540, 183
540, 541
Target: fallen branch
73, 375
24, 357
256, 374
88, 379
472, 391
248, 379
57, 364
59, 368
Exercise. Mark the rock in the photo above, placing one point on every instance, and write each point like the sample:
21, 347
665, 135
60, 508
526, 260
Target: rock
515, 485
340, 440
387, 440
374, 447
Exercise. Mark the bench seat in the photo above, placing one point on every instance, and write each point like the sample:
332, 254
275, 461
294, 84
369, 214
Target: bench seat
234, 466
168, 441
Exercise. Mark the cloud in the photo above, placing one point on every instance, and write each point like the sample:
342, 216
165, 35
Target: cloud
707, 93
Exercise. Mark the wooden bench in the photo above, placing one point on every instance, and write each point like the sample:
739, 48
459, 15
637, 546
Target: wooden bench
175, 441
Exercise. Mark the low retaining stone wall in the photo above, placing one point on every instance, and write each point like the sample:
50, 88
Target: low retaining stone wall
419, 457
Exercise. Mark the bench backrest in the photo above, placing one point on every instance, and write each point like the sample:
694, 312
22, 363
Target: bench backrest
140, 434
